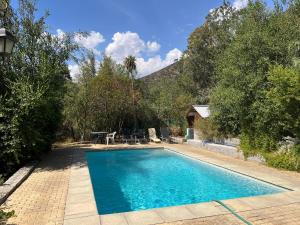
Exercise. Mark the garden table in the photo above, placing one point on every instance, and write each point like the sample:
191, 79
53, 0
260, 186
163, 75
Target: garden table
101, 135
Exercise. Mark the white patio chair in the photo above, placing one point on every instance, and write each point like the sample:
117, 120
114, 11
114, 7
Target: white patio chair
111, 137
152, 135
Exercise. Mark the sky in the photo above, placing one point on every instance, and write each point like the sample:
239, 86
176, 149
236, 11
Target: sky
154, 31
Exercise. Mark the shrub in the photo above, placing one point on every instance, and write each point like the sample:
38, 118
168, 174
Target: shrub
4, 216
289, 160
253, 144
175, 130
207, 129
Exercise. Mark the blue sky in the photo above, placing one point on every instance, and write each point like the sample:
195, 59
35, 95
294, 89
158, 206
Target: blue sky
155, 31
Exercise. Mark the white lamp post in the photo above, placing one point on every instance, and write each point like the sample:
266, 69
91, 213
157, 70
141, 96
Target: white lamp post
7, 42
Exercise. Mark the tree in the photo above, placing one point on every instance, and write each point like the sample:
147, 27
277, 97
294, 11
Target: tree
168, 103
130, 65
34, 78
102, 103
79, 112
257, 87
87, 67
205, 45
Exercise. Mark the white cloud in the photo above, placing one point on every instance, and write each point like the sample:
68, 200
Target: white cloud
123, 45
153, 46
74, 70
239, 4
90, 41
60, 33
129, 43
173, 55
146, 67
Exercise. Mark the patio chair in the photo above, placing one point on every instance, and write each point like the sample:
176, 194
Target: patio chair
152, 135
111, 137
127, 137
141, 137
165, 134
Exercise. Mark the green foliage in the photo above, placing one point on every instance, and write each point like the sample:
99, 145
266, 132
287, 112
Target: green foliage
124, 102
245, 64
204, 46
169, 102
258, 83
1, 180
257, 144
33, 87
4, 216
88, 67
289, 160
102, 102
207, 129
130, 64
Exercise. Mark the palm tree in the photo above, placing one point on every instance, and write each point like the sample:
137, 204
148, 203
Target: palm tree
130, 65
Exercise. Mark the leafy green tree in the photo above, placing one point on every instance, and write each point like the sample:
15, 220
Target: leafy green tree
34, 78
102, 103
257, 87
168, 102
278, 113
205, 44
87, 68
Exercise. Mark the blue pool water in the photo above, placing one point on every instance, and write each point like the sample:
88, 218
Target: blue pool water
131, 180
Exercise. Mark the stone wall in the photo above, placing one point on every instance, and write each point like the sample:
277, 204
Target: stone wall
228, 150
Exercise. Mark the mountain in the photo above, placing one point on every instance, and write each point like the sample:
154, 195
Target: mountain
170, 71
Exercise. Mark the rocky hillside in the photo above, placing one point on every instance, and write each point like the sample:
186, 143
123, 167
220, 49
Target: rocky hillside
170, 71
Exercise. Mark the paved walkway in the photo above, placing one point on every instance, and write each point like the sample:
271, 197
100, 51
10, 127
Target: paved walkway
280, 215
45, 197
41, 198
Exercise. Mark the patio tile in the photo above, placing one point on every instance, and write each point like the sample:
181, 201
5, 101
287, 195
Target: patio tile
80, 198
78, 190
113, 219
78, 184
206, 209
81, 214
89, 220
170, 214
85, 207
239, 204
143, 217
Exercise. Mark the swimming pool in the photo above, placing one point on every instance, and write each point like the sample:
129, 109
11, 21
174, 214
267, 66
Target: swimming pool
131, 180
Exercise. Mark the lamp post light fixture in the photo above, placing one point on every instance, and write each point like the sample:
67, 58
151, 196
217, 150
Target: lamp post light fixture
7, 42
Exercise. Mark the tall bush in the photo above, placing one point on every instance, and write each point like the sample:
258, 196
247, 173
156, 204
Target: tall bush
33, 87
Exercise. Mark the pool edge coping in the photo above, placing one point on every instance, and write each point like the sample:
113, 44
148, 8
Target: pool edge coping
85, 210
176, 213
234, 171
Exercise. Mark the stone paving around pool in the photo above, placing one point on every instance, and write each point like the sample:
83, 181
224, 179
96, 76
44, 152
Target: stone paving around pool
41, 198
59, 192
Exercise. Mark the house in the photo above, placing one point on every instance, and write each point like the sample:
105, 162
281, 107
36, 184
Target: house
195, 113
225, 146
